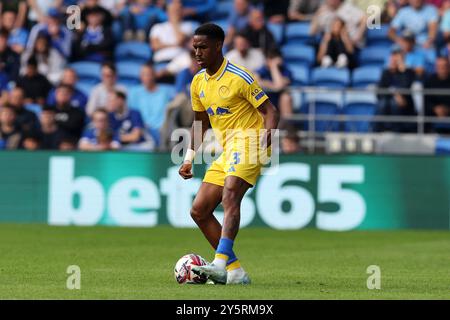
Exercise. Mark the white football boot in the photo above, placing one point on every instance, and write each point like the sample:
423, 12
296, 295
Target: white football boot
214, 273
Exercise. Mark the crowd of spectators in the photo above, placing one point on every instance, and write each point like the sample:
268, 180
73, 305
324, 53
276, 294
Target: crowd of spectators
42, 105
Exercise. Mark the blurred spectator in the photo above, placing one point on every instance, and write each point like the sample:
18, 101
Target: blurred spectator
68, 144
151, 100
69, 78
336, 48
441, 5
40, 9
32, 140
70, 120
244, 55
237, 20
290, 142
50, 62
258, 33
168, 39
35, 85
274, 78
199, 10
19, 7
414, 57
96, 5
18, 36
99, 94
9, 61
138, 18
26, 120
61, 37
303, 10
445, 25
396, 76
96, 41
10, 135
365, 4
51, 135
179, 110
178, 64
439, 105
275, 11
115, 7
354, 18
99, 135
390, 10
421, 19
128, 124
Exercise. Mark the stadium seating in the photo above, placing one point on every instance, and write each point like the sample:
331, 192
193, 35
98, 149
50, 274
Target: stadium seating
298, 32
374, 56
88, 72
133, 51
359, 104
85, 87
36, 108
322, 104
299, 54
365, 76
300, 74
378, 37
128, 72
223, 10
277, 31
330, 77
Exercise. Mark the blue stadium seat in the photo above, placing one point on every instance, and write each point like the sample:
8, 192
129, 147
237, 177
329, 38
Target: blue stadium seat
133, 51
300, 73
298, 32
129, 72
34, 107
359, 104
277, 31
374, 56
379, 37
85, 87
299, 53
321, 108
328, 103
87, 71
330, 77
367, 75
223, 10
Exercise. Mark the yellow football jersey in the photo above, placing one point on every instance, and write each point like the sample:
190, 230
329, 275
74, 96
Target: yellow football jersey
230, 98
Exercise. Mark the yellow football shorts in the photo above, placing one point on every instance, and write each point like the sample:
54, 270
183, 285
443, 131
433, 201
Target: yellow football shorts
236, 164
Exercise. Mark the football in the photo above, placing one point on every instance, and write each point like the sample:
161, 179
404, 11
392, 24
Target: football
183, 273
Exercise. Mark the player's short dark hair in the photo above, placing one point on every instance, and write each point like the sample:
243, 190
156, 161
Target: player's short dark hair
211, 31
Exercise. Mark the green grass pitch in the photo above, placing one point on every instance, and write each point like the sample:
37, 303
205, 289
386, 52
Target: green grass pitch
137, 263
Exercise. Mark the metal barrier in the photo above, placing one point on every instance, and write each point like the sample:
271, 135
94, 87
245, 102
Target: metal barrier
311, 137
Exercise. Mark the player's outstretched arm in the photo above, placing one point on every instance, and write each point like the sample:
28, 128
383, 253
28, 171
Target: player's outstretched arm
271, 118
198, 129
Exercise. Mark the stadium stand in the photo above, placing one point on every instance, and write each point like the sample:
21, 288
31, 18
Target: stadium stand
293, 38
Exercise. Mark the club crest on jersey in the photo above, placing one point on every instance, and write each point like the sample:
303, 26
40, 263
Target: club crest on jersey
202, 94
224, 91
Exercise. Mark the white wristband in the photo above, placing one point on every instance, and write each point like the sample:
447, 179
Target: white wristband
190, 155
